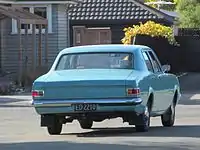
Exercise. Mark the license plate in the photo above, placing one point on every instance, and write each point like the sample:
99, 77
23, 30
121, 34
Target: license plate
85, 107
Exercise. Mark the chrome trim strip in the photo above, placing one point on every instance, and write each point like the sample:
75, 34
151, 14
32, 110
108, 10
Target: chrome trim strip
47, 103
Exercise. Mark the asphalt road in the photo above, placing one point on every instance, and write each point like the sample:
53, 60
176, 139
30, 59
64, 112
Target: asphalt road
20, 130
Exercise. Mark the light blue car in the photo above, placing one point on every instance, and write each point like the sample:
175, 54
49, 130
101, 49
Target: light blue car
98, 82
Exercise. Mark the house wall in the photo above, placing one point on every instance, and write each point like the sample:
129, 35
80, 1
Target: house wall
62, 26
116, 32
115, 26
57, 40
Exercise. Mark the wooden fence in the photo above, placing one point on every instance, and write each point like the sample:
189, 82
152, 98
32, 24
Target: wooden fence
183, 58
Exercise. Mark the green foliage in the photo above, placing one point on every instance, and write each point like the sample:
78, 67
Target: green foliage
149, 28
189, 13
188, 10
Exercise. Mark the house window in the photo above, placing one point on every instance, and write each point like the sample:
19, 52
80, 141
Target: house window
44, 11
23, 26
40, 11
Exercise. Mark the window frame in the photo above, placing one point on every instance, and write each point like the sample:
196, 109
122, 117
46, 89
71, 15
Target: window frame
49, 18
156, 61
147, 54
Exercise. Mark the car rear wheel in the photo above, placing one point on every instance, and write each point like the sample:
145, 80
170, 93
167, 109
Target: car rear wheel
55, 128
146, 121
86, 123
168, 118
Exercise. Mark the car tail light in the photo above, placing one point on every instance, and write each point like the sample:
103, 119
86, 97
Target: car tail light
133, 92
37, 93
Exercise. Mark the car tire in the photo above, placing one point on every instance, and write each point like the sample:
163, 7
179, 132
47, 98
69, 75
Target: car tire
168, 118
55, 128
86, 123
146, 120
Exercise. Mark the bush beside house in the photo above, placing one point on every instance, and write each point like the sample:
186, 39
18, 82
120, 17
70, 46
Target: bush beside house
150, 28
156, 36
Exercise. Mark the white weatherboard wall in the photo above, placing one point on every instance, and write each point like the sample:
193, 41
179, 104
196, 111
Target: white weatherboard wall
62, 27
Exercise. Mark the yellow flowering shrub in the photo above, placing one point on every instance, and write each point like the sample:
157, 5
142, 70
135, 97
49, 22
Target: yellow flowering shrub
149, 28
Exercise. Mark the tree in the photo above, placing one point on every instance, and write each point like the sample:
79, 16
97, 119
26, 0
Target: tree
189, 13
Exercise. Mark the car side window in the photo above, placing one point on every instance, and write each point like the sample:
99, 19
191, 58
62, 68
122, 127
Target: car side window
155, 62
147, 61
62, 63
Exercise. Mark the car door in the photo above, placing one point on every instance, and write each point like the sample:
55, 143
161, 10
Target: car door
151, 81
162, 89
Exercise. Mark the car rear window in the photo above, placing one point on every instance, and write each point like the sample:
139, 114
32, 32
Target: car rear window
100, 60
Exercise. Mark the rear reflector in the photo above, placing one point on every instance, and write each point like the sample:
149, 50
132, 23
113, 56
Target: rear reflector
37, 93
133, 92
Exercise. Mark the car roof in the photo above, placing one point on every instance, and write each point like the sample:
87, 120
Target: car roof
103, 48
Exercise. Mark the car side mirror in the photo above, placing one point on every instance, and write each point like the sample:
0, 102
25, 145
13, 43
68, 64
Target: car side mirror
166, 68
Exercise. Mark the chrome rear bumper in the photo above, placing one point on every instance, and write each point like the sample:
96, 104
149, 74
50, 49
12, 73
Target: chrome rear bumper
56, 103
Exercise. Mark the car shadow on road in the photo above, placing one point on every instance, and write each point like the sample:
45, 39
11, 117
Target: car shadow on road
193, 102
190, 99
87, 146
176, 131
